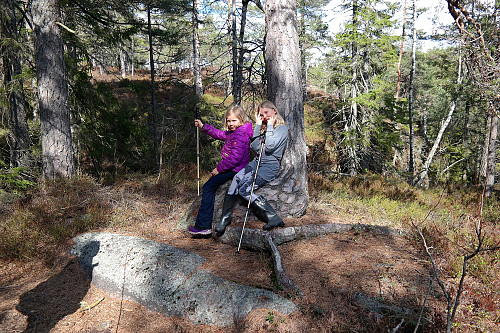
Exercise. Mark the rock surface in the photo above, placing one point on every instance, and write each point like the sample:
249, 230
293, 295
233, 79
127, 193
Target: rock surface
169, 280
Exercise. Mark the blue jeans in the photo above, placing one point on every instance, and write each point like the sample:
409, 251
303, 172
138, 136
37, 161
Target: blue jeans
206, 211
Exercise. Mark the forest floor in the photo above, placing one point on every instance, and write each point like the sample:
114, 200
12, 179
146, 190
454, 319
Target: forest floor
353, 282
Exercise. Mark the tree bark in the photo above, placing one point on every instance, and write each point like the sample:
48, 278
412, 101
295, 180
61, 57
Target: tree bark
57, 144
303, 64
288, 193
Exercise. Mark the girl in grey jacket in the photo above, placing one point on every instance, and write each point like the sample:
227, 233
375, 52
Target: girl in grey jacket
271, 131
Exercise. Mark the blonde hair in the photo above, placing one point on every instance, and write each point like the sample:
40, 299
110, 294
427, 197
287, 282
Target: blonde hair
238, 112
270, 105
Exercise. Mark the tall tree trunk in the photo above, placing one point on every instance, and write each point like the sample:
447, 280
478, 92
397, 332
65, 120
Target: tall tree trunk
411, 162
289, 191
123, 61
132, 57
351, 125
154, 111
490, 150
238, 21
422, 177
198, 85
57, 144
241, 51
401, 53
230, 4
19, 139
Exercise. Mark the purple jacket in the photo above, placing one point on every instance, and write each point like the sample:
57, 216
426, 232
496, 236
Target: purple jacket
236, 151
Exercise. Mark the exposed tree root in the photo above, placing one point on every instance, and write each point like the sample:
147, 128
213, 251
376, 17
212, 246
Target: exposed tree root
260, 240
282, 279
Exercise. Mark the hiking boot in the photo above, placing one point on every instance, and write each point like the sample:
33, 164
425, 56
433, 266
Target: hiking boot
265, 212
227, 210
194, 231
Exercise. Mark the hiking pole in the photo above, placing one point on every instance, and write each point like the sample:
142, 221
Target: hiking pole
198, 116
262, 144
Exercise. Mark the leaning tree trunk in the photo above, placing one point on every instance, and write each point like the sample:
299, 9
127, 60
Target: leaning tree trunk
19, 139
288, 193
421, 179
57, 144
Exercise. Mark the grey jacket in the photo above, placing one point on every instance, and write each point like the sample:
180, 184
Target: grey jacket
275, 144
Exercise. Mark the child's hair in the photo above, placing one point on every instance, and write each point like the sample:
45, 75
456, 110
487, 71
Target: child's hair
279, 119
238, 112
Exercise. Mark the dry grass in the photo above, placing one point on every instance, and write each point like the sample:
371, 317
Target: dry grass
54, 212
37, 226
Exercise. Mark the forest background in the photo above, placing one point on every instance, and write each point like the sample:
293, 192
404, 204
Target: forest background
109, 89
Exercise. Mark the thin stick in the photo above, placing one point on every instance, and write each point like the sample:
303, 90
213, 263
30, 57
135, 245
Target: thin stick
251, 192
198, 156
123, 290
423, 305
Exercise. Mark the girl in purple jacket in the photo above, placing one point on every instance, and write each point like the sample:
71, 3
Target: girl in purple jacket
235, 156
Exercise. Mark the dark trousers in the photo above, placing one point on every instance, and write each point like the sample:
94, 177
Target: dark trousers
206, 211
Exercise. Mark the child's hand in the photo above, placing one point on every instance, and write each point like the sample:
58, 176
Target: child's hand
258, 118
271, 120
198, 123
215, 172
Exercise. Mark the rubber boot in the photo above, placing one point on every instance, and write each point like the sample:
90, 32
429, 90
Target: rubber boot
227, 210
265, 212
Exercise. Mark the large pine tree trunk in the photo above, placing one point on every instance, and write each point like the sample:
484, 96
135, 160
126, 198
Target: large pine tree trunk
288, 193
57, 144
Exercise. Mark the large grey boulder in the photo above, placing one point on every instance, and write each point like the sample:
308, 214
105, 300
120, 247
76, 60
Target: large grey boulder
168, 280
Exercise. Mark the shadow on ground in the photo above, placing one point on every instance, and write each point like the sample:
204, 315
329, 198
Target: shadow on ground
50, 301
